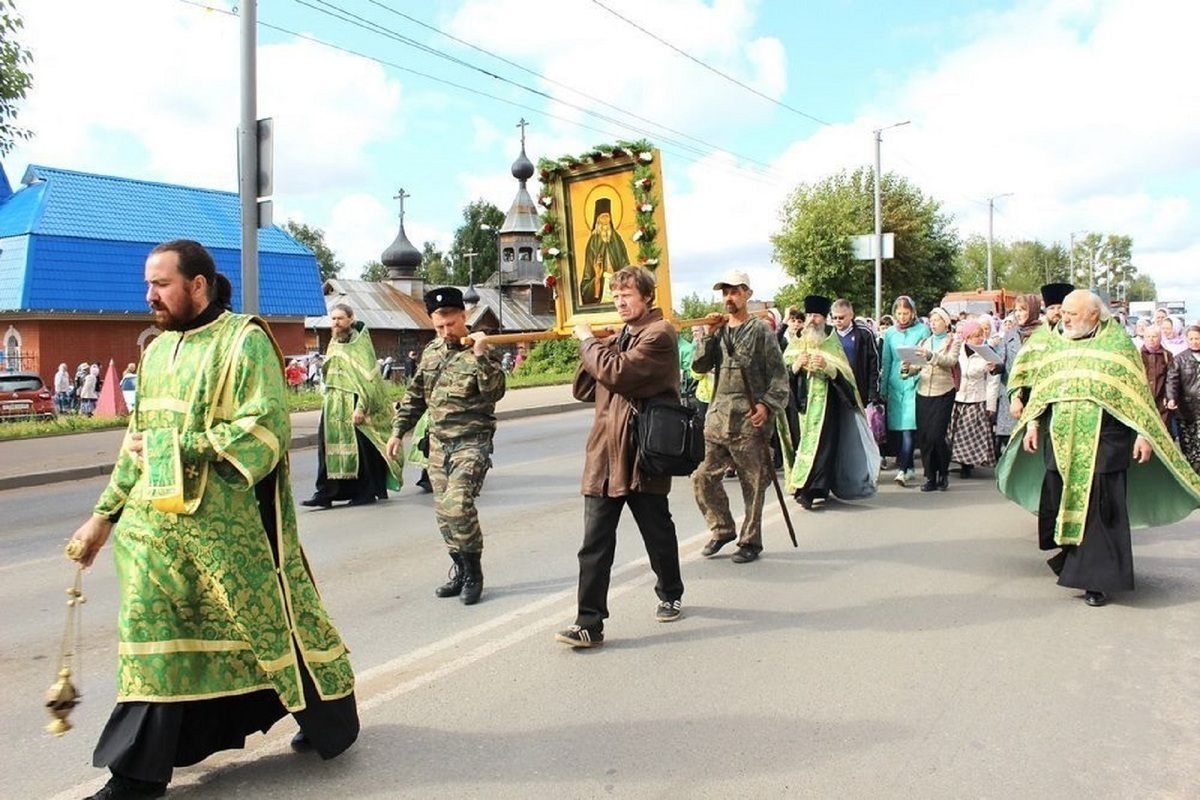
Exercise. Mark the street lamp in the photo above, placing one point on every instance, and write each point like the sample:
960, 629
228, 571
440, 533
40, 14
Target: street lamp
991, 209
879, 219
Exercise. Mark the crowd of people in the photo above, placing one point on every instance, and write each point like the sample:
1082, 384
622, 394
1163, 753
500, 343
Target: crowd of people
78, 393
222, 630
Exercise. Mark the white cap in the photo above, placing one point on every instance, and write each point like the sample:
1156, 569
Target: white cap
734, 277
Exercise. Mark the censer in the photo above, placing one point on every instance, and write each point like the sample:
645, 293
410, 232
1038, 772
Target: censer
63, 696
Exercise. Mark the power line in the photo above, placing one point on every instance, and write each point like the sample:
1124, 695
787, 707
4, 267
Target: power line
560, 84
709, 67
761, 178
334, 11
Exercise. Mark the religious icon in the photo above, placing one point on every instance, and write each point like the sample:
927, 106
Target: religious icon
605, 252
602, 214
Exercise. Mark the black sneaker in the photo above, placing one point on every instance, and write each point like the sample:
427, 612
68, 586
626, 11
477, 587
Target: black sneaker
713, 546
668, 610
744, 555
577, 636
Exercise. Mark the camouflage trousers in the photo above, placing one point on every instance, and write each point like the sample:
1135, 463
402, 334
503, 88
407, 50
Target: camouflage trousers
752, 460
456, 472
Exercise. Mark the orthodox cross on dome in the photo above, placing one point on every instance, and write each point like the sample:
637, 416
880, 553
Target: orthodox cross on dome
522, 125
401, 195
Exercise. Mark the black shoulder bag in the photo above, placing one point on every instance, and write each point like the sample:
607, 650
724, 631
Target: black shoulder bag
668, 436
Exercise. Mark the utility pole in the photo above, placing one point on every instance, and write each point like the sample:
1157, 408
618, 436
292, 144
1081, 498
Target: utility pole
248, 157
991, 210
879, 219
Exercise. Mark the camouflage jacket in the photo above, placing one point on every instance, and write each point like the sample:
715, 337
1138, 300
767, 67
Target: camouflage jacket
755, 348
458, 389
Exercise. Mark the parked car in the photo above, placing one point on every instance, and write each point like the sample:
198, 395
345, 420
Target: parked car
24, 395
129, 390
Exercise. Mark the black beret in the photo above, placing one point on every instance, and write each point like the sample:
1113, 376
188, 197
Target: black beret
445, 297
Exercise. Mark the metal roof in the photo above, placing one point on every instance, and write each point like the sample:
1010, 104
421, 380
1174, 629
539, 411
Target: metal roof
74, 241
377, 304
380, 306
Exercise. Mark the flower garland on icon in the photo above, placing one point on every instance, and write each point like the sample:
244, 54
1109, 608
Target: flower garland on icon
550, 232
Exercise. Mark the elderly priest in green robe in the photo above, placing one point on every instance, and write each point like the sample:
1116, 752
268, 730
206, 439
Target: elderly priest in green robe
836, 453
352, 462
221, 629
1089, 415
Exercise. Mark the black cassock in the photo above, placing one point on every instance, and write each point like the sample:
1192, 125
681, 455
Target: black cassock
1103, 561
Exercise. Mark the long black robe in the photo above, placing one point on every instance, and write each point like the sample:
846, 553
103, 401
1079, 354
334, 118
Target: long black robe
1103, 561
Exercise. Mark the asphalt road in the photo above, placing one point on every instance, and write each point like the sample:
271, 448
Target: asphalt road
913, 646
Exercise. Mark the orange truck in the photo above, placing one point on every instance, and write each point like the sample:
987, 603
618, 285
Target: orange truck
996, 301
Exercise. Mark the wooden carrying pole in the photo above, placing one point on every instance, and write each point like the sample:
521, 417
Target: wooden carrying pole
601, 331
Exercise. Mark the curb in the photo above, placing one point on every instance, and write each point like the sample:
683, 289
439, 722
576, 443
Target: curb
298, 443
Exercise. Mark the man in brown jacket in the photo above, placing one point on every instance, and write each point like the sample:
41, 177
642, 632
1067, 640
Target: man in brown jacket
617, 374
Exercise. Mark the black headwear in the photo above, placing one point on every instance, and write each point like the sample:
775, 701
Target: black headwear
1053, 294
816, 304
445, 297
603, 206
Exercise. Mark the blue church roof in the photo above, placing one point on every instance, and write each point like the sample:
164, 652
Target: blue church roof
74, 241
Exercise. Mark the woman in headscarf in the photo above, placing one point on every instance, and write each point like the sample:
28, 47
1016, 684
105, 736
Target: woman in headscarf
897, 392
1157, 361
1183, 396
935, 373
1173, 337
1027, 316
971, 441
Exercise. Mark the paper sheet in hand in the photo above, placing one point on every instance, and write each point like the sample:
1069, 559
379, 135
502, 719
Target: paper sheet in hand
909, 355
989, 355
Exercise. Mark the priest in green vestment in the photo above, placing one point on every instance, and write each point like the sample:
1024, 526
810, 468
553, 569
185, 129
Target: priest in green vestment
352, 462
836, 453
222, 631
1089, 414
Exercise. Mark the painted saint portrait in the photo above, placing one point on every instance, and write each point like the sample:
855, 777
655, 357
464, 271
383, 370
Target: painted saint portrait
604, 221
605, 252
601, 224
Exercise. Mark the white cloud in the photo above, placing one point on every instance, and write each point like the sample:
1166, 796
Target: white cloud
1086, 110
163, 78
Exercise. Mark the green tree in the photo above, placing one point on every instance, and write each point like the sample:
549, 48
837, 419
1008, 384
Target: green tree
553, 356
693, 306
374, 271
1104, 262
14, 80
433, 265
1021, 266
314, 239
471, 238
1141, 288
817, 221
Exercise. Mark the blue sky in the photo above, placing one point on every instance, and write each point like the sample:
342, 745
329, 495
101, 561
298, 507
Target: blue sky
1086, 110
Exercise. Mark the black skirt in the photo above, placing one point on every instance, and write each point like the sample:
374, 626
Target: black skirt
933, 426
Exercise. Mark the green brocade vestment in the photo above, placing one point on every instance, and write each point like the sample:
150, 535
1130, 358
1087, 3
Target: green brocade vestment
207, 609
1081, 379
350, 372
857, 456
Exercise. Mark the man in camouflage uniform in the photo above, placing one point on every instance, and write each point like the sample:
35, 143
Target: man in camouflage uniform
735, 433
459, 386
